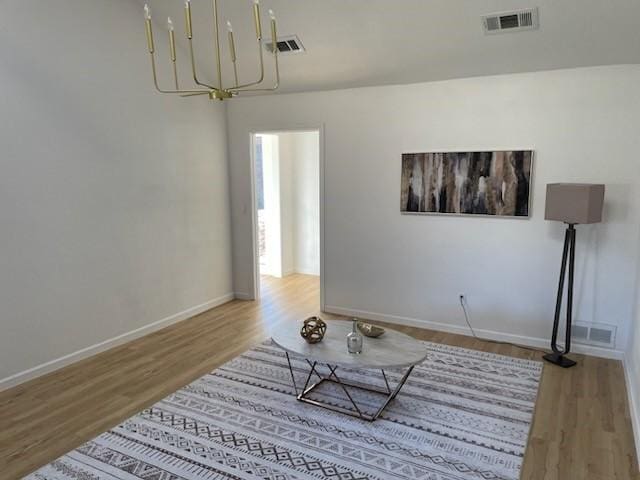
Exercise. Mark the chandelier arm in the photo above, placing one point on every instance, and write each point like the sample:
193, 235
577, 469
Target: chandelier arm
194, 94
217, 42
193, 68
261, 78
175, 75
189, 33
275, 86
274, 42
155, 80
235, 72
258, 25
232, 52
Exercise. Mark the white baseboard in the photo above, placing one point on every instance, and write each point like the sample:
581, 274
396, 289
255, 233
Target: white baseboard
464, 330
58, 363
242, 296
633, 386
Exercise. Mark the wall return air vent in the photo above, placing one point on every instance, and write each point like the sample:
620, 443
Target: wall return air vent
515, 21
599, 334
286, 45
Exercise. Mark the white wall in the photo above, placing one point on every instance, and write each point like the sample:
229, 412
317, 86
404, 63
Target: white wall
632, 366
272, 205
582, 124
287, 142
300, 184
632, 371
306, 199
113, 199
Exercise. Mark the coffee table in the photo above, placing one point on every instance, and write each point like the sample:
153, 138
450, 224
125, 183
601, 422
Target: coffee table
392, 350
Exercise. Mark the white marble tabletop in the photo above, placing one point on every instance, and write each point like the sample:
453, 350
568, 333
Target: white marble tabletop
392, 349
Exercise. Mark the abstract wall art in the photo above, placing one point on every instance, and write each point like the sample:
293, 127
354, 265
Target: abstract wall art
467, 183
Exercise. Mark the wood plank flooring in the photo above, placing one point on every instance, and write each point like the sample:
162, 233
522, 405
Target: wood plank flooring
581, 430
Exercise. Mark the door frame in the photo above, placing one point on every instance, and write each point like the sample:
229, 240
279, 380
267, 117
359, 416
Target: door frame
254, 199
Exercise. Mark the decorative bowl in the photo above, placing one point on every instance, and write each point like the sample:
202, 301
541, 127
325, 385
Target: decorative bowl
369, 330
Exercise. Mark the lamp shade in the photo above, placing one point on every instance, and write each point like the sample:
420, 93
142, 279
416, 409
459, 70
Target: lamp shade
575, 203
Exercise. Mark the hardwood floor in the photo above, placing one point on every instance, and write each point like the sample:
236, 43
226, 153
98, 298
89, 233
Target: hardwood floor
581, 430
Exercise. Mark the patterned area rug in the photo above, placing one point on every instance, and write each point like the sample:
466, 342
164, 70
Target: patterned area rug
462, 415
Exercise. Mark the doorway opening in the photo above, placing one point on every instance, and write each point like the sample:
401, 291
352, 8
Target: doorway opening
287, 204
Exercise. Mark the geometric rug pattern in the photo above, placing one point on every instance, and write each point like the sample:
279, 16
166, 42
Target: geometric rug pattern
462, 415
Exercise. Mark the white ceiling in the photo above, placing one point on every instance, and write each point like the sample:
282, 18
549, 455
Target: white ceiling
376, 42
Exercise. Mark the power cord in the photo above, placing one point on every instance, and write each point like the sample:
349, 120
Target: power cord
498, 342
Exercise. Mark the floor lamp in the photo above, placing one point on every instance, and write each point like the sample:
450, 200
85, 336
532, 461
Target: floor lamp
573, 204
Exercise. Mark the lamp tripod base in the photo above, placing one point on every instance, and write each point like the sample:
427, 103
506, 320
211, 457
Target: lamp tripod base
559, 359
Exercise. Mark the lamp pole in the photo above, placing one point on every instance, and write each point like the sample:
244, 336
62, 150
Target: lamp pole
569, 250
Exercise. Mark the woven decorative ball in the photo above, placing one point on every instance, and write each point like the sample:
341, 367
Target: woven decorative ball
313, 330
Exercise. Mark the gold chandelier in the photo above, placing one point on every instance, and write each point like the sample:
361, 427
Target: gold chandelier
218, 92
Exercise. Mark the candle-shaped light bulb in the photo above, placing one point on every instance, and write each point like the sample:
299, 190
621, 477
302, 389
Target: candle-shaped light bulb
256, 18
232, 44
148, 28
274, 34
172, 40
187, 19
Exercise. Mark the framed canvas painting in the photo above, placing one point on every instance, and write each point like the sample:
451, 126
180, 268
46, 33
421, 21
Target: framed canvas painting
496, 183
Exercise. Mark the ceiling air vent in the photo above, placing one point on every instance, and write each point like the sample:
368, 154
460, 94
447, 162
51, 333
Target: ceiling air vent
286, 45
511, 21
